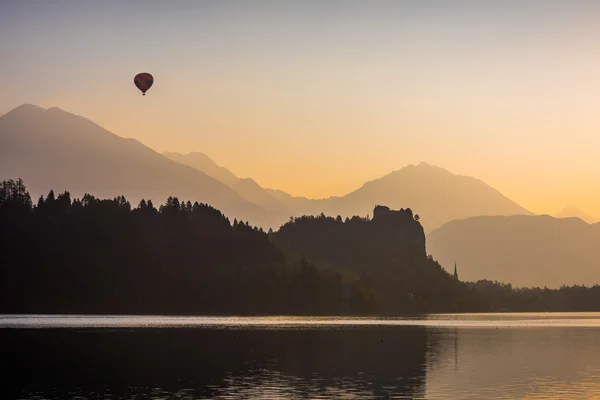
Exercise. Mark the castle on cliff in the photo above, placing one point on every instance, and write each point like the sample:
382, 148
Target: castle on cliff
379, 211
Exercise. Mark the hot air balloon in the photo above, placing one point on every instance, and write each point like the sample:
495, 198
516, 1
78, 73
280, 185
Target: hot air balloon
143, 82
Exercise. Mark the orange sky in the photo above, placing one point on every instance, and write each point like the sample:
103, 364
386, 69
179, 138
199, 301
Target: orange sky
315, 99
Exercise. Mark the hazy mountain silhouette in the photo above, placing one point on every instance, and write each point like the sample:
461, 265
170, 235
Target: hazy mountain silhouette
53, 149
437, 195
202, 162
521, 250
254, 193
293, 202
570, 212
247, 188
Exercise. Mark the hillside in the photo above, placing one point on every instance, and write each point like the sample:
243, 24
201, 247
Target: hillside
254, 193
521, 250
386, 252
53, 149
203, 163
247, 188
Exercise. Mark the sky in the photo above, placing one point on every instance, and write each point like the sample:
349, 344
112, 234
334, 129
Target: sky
317, 97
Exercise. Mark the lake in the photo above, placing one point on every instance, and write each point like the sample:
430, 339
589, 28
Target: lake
467, 356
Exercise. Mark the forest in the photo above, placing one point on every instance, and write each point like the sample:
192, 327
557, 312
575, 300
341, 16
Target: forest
88, 255
103, 256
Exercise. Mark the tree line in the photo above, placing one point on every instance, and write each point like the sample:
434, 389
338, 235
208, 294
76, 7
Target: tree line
90, 255
387, 255
103, 256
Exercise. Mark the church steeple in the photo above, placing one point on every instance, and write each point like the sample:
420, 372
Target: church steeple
455, 271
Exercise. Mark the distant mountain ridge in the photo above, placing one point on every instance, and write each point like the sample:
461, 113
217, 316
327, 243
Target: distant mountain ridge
522, 250
253, 192
247, 187
203, 163
434, 193
54, 149
573, 212
421, 187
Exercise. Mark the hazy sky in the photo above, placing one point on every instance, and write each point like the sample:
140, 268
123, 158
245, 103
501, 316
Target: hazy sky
315, 97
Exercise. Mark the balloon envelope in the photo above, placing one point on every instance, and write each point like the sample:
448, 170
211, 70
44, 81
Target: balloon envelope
143, 81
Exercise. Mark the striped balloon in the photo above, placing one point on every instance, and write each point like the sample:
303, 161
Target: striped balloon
143, 82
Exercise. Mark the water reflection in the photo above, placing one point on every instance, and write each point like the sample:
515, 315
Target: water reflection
196, 363
306, 362
527, 363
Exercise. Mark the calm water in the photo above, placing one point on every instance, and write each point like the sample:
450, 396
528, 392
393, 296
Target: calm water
476, 356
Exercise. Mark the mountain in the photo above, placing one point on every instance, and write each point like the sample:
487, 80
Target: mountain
521, 250
247, 188
437, 195
293, 202
202, 162
254, 193
53, 149
570, 212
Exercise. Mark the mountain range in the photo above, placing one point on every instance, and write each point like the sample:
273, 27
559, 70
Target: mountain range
54, 149
203, 163
437, 195
466, 220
